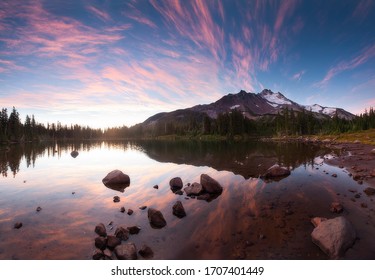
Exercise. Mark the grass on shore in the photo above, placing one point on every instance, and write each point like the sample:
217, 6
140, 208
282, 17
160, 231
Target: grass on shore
364, 136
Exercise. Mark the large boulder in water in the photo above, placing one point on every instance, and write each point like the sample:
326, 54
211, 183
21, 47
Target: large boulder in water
334, 236
176, 184
116, 180
156, 218
276, 171
178, 210
210, 185
193, 189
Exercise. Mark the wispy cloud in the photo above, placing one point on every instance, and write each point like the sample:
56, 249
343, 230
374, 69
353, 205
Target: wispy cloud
298, 76
135, 14
363, 8
99, 13
365, 55
194, 21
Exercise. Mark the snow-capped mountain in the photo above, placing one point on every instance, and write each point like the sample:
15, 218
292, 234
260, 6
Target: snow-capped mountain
252, 106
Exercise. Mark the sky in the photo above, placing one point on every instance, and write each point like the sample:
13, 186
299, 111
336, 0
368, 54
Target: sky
111, 63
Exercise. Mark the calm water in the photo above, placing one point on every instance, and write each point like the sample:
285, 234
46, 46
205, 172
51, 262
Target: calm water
251, 219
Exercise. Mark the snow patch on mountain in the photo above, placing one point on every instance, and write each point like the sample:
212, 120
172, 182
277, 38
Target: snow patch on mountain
276, 98
314, 108
234, 107
329, 111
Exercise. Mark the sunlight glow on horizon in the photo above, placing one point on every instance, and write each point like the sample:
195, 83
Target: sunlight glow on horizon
112, 63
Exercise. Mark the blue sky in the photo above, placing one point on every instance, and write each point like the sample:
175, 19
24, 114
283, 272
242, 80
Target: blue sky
112, 63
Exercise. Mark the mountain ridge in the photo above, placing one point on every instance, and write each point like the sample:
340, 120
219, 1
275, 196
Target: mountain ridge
252, 106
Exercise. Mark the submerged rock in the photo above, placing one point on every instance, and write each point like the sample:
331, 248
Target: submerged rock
101, 242
276, 171
369, 191
193, 189
100, 230
38, 209
146, 252
156, 218
126, 251
116, 199
210, 185
18, 225
112, 242
134, 229
336, 207
176, 184
122, 233
116, 180
178, 210
97, 255
334, 236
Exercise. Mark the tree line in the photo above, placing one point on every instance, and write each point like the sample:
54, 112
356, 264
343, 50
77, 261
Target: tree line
12, 129
229, 124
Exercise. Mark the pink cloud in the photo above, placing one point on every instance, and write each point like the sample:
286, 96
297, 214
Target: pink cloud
100, 14
195, 22
298, 76
286, 10
365, 55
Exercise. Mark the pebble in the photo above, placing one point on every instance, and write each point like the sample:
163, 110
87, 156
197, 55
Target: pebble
38, 209
18, 225
156, 187
122, 210
130, 212
116, 199
142, 207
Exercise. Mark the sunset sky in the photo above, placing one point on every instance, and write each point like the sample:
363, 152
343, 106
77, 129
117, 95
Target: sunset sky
111, 63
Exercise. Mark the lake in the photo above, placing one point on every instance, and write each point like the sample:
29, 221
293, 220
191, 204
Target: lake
252, 218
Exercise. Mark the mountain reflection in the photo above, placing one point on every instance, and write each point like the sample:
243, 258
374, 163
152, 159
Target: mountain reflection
249, 159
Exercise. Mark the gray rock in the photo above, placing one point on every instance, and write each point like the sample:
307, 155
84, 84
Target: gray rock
210, 185
112, 242
334, 236
146, 252
126, 251
101, 242
122, 233
116, 177
176, 184
156, 218
100, 230
193, 189
178, 210
276, 171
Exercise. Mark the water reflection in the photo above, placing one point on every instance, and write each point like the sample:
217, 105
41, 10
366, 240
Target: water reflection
251, 219
249, 159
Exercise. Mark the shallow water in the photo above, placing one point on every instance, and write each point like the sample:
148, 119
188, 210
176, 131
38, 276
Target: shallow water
251, 219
